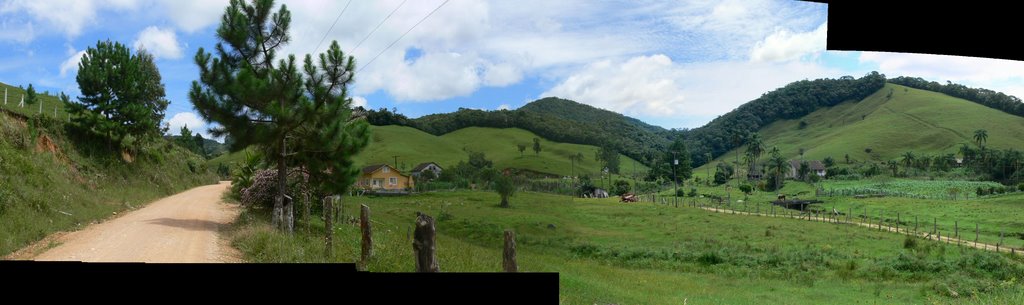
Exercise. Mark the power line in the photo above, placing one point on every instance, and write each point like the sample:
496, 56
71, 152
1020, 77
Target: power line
378, 26
403, 35
332, 26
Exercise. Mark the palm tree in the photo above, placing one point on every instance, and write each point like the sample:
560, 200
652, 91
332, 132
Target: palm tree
908, 159
707, 157
777, 164
894, 166
755, 147
981, 137
737, 139
747, 159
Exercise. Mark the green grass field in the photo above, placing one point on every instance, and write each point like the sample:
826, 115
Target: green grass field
994, 215
608, 252
46, 188
937, 189
413, 146
912, 120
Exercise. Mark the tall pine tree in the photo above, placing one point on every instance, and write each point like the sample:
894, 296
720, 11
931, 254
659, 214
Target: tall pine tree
122, 94
297, 118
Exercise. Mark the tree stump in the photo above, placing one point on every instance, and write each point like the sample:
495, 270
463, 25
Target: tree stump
367, 229
509, 257
423, 244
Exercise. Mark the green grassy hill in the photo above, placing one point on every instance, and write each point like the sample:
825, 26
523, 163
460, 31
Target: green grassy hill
54, 179
45, 106
911, 120
413, 146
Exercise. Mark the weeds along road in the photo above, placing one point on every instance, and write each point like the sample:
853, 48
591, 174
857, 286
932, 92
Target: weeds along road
183, 228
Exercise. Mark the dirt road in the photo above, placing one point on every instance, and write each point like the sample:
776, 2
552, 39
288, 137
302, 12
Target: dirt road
182, 228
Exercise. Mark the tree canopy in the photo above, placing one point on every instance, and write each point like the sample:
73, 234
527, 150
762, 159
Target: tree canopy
298, 116
122, 94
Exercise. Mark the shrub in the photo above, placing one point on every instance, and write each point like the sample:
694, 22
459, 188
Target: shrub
746, 188
1020, 187
910, 242
264, 187
620, 187
710, 258
692, 193
680, 192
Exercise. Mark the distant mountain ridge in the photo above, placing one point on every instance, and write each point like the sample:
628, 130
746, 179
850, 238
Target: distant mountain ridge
568, 121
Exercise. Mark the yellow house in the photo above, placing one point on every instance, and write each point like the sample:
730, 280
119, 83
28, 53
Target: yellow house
384, 177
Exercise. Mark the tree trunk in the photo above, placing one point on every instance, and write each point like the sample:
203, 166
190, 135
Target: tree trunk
504, 201
328, 227
306, 216
509, 257
367, 229
423, 244
277, 220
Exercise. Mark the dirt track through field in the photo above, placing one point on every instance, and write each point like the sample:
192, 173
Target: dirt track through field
183, 228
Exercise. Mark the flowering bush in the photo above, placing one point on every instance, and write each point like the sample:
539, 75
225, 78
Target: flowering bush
264, 187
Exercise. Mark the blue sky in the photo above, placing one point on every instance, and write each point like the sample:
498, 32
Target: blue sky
676, 64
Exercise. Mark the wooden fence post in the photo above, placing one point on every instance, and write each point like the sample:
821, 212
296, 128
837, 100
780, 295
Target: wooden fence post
976, 231
367, 229
935, 226
509, 257
328, 226
423, 244
1000, 240
956, 231
897, 222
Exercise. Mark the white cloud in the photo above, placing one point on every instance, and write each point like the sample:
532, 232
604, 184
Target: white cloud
655, 86
784, 45
71, 64
193, 121
359, 101
464, 46
20, 32
67, 16
162, 43
193, 15
504, 107
728, 29
995, 74
502, 75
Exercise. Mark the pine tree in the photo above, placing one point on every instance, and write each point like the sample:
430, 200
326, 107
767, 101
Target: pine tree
296, 118
30, 95
122, 94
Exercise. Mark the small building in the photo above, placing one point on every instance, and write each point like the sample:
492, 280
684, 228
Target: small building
817, 168
427, 166
384, 177
756, 174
